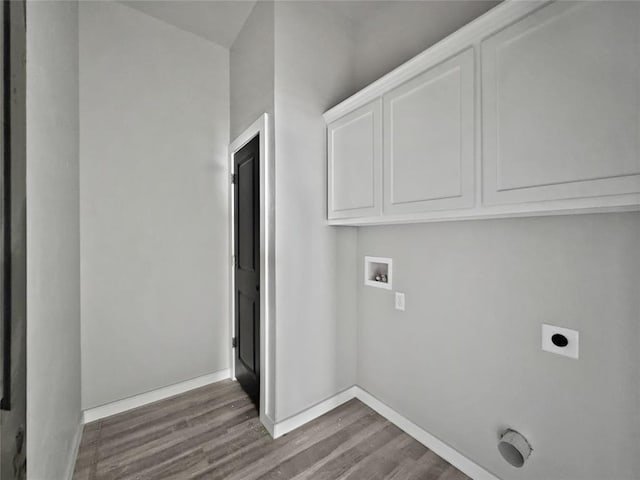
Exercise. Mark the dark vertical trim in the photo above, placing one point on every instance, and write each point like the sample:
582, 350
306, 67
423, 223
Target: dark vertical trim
5, 404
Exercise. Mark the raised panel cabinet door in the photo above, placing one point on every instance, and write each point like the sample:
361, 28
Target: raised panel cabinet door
354, 161
561, 104
429, 139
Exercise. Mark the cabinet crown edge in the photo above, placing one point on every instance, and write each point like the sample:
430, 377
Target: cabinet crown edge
467, 36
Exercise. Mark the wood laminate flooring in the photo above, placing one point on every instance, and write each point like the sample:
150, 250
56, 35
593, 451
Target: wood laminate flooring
214, 433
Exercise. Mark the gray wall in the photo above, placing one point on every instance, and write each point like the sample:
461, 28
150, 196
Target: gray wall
464, 360
293, 60
154, 111
315, 264
396, 31
251, 63
53, 261
251, 60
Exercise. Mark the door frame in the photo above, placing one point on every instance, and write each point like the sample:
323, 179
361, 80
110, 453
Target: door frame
267, 254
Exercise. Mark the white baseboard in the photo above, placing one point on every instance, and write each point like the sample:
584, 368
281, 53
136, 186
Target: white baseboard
75, 447
455, 458
119, 406
268, 423
277, 429
440, 448
291, 423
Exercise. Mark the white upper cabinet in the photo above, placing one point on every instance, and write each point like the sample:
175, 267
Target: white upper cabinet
354, 154
561, 104
429, 138
532, 109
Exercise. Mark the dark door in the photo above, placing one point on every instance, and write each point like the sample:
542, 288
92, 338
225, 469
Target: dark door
13, 243
247, 267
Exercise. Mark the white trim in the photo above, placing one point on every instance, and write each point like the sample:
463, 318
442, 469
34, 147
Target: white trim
295, 421
501, 15
269, 425
119, 406
446, 452
259, 127
617, 203
276, 430
455, 458
75, 448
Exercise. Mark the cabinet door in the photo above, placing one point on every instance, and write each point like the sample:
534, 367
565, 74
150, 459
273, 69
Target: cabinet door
355, 154
429, 139
561, 104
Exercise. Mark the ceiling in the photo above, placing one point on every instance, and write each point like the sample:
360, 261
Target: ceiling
359, 11
219, 21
